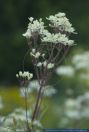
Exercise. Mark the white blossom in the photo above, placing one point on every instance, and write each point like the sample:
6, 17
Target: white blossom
37, 55
57, 38
61, 22
50, 66
81, 61
34, 86
71, 42
20, 73
18, 119
49, 91
33, 51
27, 34
78, 108
45, 63
43, 55
60, 14
31, 19
70, 103
17, 75
24, 74
32, 54
34, 26
39, 64
65, 70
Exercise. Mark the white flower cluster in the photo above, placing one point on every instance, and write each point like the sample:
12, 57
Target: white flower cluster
78, 108
57, 38
61, 22
24, 75
17, 119
65, 71
7, 129
34, 86
50, 66
44, 64
49, 91
35, 54
58, 21
34, 26
81, 61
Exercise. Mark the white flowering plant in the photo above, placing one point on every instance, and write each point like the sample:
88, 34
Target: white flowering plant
75, 105
47, 50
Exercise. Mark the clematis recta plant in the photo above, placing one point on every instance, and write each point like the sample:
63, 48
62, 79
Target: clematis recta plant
47, 49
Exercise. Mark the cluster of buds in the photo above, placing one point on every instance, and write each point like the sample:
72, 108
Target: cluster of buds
24, 75
44, 64
37, 54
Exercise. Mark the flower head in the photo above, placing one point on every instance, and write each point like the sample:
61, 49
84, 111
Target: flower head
34, 27
24, 75
57, 38
50, 66
61, 22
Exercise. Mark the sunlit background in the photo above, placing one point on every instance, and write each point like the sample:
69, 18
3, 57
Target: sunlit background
69, 106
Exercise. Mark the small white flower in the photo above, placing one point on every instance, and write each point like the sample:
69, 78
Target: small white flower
37, 55
61, 22
17, 75
32, 54
33, 51
49, 91
81, 61
33, 85
25, 75
20, 73
45, 63
70, 42
65, 70
60, 14
70, 103
50, 66
27, 34
39, 64
34, 26
31, 19
57, 38
31, 75
43, 55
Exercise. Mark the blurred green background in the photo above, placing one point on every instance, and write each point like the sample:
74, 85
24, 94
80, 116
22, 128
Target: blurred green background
13, 46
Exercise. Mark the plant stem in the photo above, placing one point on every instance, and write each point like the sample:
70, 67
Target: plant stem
36, 106
26, 108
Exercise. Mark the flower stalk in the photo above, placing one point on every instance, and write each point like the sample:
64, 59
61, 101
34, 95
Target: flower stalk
47, 51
